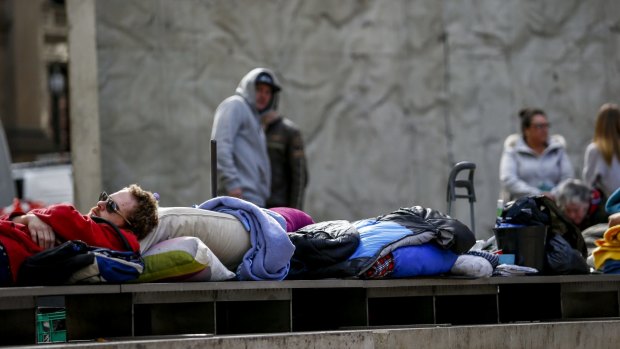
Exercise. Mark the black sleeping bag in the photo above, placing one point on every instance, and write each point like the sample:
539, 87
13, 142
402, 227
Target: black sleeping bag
320, 247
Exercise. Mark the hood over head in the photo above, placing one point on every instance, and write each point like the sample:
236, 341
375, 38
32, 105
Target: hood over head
247, 87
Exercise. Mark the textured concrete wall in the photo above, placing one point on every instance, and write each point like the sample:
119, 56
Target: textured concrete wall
388, 93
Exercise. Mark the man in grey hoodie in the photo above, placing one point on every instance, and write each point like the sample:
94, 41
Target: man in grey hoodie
242, 159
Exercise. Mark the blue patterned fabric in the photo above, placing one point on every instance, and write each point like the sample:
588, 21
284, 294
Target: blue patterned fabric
491, 257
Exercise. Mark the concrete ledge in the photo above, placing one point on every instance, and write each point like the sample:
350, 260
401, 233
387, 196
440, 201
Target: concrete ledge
302, 306
591, 334
577, 281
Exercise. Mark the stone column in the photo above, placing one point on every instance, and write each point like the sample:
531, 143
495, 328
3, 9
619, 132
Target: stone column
84, 102
27, 42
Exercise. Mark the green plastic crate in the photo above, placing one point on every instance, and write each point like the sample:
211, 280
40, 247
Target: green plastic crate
51, 327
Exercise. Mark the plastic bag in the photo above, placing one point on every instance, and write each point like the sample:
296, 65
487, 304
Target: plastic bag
562, 259
524, 211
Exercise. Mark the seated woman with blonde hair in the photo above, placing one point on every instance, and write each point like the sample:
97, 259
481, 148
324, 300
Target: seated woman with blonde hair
602, 157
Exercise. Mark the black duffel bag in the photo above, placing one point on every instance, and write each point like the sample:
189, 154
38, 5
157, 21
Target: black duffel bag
75, 261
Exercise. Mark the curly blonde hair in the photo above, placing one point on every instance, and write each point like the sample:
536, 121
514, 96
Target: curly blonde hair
144, 217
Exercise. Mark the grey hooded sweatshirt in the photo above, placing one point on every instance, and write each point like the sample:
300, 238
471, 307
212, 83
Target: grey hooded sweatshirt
242, 159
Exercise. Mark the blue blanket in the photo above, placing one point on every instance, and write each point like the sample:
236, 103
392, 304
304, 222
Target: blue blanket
270, 255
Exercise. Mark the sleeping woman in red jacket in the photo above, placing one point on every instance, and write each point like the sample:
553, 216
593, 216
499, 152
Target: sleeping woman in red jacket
132, 209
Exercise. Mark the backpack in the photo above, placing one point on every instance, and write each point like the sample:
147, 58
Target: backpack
75, 261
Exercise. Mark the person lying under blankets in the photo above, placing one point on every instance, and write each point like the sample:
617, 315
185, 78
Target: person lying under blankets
274, 244
131, 209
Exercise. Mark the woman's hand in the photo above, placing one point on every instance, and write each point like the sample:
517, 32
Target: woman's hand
236, 193
40, 232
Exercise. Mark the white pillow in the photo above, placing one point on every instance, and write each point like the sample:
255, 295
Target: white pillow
182, 259
221, 232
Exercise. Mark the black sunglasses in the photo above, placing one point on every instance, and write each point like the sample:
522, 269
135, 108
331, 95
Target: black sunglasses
111, 206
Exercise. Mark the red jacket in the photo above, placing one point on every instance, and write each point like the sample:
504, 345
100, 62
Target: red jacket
68, 224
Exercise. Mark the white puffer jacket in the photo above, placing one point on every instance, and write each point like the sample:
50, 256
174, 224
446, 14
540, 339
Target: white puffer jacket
522, 172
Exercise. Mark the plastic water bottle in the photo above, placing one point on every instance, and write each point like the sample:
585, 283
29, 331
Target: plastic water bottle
500, 209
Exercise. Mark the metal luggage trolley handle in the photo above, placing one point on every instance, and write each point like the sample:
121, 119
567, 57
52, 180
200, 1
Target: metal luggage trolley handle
213, 168
468, 184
